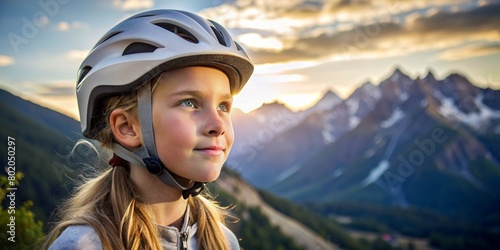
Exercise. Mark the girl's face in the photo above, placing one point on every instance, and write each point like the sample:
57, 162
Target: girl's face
192, 126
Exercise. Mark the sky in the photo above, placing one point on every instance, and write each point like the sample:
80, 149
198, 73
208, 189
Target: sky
301, 48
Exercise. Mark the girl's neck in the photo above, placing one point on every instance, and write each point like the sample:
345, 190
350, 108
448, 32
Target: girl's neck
169, 213
166, 202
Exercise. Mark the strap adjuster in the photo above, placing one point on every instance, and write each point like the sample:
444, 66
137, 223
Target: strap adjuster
154, 165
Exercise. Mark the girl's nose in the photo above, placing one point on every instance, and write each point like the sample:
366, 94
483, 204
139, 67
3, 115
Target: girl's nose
215, 125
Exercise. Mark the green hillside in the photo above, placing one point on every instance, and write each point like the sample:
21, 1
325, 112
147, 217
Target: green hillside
39, 155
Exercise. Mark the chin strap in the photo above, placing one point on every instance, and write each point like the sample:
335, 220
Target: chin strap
147, 156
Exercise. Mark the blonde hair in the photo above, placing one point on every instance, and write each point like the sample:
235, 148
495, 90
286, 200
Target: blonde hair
110, 203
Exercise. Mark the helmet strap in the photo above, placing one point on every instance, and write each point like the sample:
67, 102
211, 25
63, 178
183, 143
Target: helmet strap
147, 156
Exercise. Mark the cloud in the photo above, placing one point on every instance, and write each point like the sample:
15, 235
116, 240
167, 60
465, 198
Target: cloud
133, 4
42, 20
56, 89
78, 55
336, 30
344, 44
63, 26
66, 26
281, 16
469, 51
431, 30
257, 41
57, 95
60, 96
6, 61
483, 18
279, 78
273, 68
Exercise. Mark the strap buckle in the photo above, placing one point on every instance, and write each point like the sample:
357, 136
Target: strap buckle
195, 190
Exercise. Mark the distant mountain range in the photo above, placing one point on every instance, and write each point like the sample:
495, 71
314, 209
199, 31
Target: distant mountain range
426, 143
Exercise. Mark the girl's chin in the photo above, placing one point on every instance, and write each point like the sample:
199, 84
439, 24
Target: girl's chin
209, 177
205, 177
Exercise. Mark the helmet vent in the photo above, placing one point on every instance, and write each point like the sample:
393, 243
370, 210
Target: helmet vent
219, 36
238, 46
181, 32
138, 47
141, 16
107, 38
83, 72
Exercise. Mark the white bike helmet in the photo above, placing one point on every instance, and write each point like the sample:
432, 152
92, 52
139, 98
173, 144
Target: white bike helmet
140, 48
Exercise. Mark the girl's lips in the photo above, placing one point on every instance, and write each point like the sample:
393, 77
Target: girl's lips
212, 150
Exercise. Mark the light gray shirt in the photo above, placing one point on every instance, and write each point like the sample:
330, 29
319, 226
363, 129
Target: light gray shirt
85, 237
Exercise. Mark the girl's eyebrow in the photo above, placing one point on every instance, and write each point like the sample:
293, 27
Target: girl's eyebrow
200, 94
194, 93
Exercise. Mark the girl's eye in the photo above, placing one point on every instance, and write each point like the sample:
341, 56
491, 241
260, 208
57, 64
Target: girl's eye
224, 107
188, 103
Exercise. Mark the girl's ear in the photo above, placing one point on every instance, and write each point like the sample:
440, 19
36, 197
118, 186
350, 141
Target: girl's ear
126, 128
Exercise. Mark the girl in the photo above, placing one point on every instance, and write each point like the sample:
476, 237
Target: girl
157, 90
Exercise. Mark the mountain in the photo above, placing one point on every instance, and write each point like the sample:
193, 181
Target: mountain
405, 142
255, 130
47, 118
43, 138
328, 101
361, 101
260, 136
422, 145
393, 156
461, 102
294, 135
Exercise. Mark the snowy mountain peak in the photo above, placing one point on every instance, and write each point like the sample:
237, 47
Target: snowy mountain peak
328, 101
